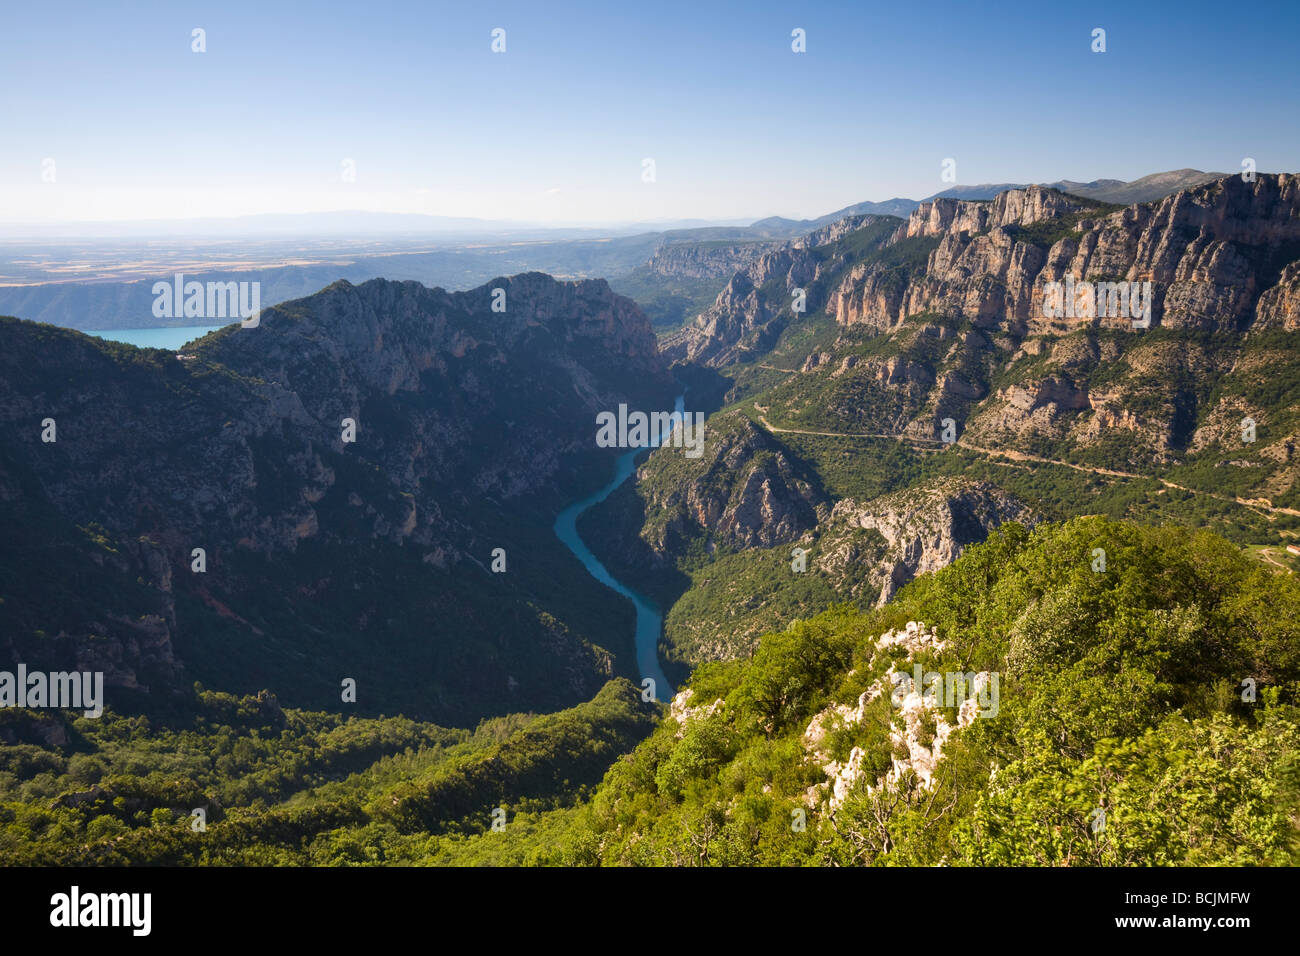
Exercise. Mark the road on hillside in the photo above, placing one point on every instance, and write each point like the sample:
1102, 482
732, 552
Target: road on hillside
1261, 506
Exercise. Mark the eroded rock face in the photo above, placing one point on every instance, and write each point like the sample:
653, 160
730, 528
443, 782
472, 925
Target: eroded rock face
1217, 258
923, 529
1141, 399
1014, 207
1210, 254
747, 314
860, 552
680, 710
1279, 307
740, 311
693, 260
835, 231
745, 491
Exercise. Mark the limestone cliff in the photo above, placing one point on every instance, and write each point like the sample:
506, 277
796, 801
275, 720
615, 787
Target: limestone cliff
1209, 252
705, 260
757, 303
923, 528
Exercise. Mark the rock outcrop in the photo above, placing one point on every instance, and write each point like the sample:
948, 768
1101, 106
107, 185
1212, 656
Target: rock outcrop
746, 491
918, 731
963, 336
858, 552
756, 304
712, 260
923, 529
1211, 253
1279, 307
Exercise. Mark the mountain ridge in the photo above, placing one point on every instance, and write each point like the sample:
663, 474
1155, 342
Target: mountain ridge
452, 436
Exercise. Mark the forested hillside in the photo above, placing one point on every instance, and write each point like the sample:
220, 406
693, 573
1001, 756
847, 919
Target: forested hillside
1162, 690
1159, 697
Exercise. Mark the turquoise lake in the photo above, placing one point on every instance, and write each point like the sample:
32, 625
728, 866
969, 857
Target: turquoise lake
171, 339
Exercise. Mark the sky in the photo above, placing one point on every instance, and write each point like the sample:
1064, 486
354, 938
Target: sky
110, 102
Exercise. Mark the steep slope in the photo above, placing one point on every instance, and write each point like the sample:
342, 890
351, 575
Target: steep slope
1101, 718
965, 337
1217, 260
715, 538
925, 355
296, 788
761, 300
325, 559
1209, 254
684, 277
862, 553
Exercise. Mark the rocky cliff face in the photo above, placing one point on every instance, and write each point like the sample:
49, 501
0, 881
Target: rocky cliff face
837, 230
1015, 207
1209, 252
755, 307
1279, 307
978, 270
1212, 253
742, 315
713, 260
964, 335
463, 417
923, 529
861, 552
746, 491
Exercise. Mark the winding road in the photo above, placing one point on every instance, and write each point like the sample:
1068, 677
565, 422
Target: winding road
1261, 506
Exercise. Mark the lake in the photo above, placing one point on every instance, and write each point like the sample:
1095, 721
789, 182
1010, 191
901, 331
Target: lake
171, 339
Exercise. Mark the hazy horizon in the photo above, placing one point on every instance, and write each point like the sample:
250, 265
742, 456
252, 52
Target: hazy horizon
377, 223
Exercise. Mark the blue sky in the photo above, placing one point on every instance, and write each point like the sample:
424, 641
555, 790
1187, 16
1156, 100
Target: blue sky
555, 129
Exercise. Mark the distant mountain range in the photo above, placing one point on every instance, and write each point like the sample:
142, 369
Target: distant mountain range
673, 270
357, 223
338, 224
1146, 189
